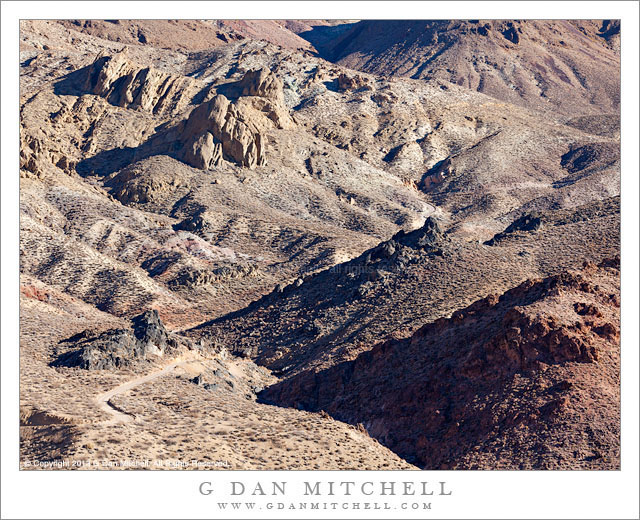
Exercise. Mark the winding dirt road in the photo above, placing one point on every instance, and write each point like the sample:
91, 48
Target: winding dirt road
120, 416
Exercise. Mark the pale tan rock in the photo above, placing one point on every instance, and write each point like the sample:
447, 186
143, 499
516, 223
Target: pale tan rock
346, 82
239, 140
265, 113
204, 152
262, 83
126, 84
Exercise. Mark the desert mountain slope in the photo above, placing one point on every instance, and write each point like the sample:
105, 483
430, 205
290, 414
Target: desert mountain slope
195, 35
183, 35
525, 380
213, 179
569, 67
407, 281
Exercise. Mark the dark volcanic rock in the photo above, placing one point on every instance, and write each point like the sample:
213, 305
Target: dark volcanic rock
111, 349
428, 238
189, 277
118, 348
528, 222
149, 330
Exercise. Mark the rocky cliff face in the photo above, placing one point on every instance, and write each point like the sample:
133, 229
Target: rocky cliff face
234, 130
262, 83
218, 129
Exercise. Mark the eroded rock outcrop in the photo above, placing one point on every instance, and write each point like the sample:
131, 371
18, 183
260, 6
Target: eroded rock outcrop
234, 130
117, 348
230, 125
203, 152
429, 239
262, 83
197, 278
261, 94
218, 129
347, 82
124, 83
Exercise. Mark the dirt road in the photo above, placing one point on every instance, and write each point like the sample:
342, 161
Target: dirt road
120, 416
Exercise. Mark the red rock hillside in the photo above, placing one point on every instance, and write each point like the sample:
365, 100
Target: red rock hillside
525, 380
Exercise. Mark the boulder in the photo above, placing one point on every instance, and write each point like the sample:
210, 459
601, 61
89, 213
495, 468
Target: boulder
204, 152
346, 82
262, 83
260, 98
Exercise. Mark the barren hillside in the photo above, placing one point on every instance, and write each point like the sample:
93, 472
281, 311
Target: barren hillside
565, 66
528, 379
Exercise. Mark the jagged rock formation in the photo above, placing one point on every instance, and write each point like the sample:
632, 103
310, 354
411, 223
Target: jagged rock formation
203, 152
348, 82
262, 83
497, 385
119, 348
429, 237
215, 130
125, 84
218, 128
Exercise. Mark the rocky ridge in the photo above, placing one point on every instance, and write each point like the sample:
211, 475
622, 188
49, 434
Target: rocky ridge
125, 84
490, 385
401, 284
